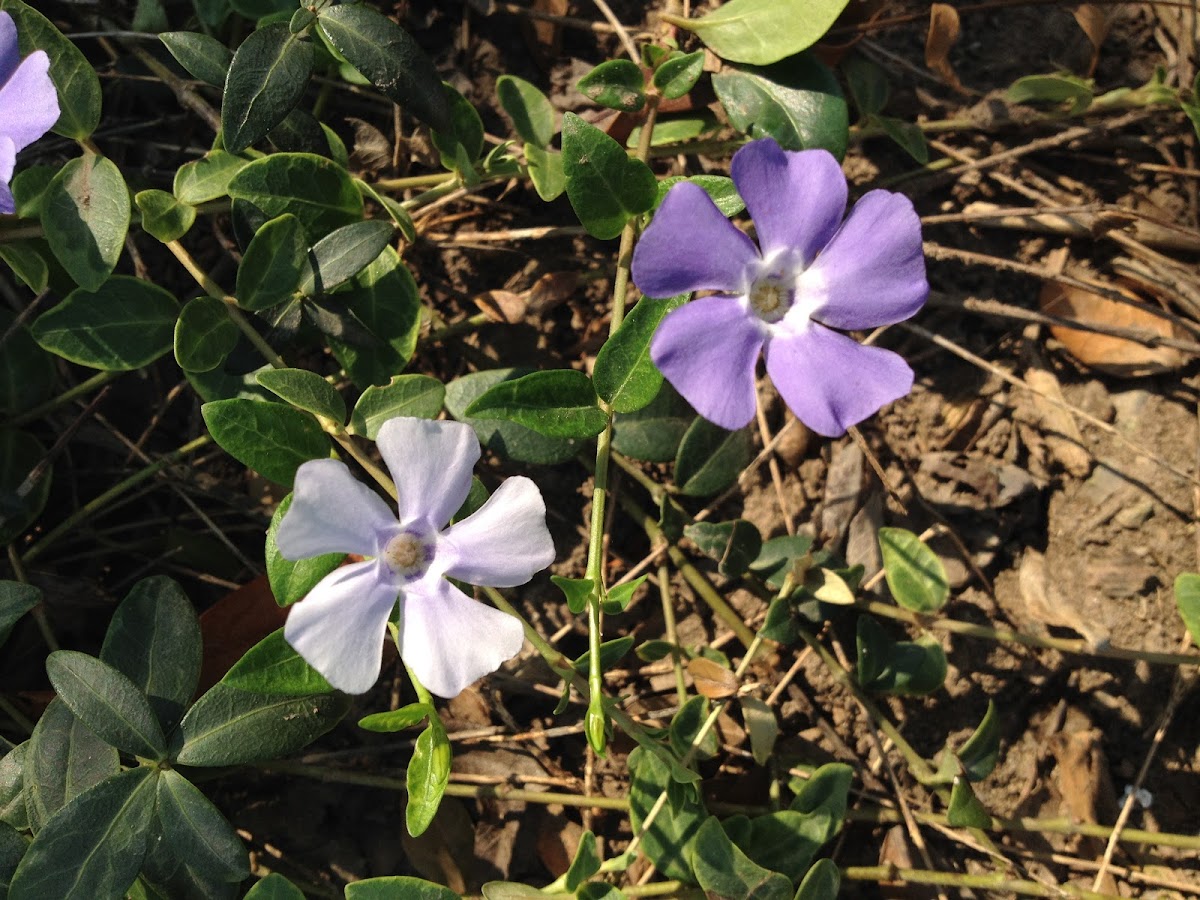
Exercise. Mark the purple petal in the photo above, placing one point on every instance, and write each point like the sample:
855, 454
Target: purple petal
873, 271
504, 542
708, 349
431, 463
8, 159
340, 626
28, 101
331, 512
690, 246
831, 381
797, 199
10, 54
449, 640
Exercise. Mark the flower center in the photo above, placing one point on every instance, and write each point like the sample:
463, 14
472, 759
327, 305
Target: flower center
771, 296
408, 555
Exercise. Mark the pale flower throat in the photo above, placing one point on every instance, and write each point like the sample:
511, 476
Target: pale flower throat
408, 555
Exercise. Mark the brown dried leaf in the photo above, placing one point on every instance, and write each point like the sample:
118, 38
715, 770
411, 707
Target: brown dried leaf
1115, 355
503, 306
372, 150
1062, 433
711, 679
943, 35
1095, 21
545, 38
550, 290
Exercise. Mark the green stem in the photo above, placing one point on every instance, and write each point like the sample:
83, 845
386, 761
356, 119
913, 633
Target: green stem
994, 882
39, 611
87, 386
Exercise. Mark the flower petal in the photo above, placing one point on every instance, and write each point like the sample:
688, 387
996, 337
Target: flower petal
449, 640
831, 381
8, 159
340, 626
431, 463
29, 101
504, 542
796, 198
689, 245
331, 512
708, 349
873, 271
10, 54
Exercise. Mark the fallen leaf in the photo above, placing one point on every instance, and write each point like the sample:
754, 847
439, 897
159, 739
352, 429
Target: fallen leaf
942, 36
1095, 21
711, 679
502, 306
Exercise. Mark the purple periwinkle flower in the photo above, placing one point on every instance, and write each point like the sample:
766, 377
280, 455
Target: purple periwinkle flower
447, 639
28, 103
811, 273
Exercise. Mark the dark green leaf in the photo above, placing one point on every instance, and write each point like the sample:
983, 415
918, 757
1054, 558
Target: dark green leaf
266, 79
546, 172
678, 129
618, 598
721, 191
653, 651
274, 264
868, 84
668, 840
272, 667
686, 724
64, 758
822, 882
783, 841
270, 438
343, 253
915, 574
28, 264
981, 752
154, 639
274, 887
531, 113
617, 84
762, 31
16, 599
965, 810
204, 57
626, 378
711, 458
419, 396
94, 846
196, 831
653, 433
398, 719
398, 887
466, 132
124, 324
734, 545
778, 558
204, 334
305, 390
500, 436
724, 871
108, 702
317, 191
207, 178
12, 848
606, 187
798, 102
577, 591
611, 652
291, 580
1187, 599
677, 75
585, 864
85, 216
165, 876
908, 135
20, 454
228, 727
826, 791
558, 403
163, 216
428, 775
14, 805
912, 668
390, 59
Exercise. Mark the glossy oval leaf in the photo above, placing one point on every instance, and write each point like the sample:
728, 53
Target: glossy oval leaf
267, 78
207, 178
654, 432
204, 334
85, 216
531, 113
196, 832
270, 438
501, 436
163, 216
915, 574
274, 264
272, 667
823, 881
678, 74
274, 887
762, 31
625, 376
617, 84
711, 458
605, 185
558, 403
418, 396
343, 253
64, 759
305, 390
734, 545
398, 887
316, 190
204, 57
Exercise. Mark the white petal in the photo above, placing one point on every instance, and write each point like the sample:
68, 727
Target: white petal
449, 640
504, 542
331, 512
340, 626
431, 463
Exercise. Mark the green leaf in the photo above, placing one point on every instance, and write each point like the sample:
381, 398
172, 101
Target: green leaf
196, 831
868, 84
64, 758
204, 57
419, 396
822, 882
398, 719
783, 842
907, 135
28, 264
617, 84
546, 172
92, 847
711, 458
14, 811
558, 403
778, 558
826, 791
272, 667
668, 841
266, 79
912, 668
398, 887
316, 190
762, 31
229, 727
20, 454
270, 438
611, 652
73, 75
154, 639
1187, 599
501, 436
734, 545
343, 253
274, 264
389, 58
85, 216
163, 216
798, 102
981, 752
166, 875
618, 598
204, 334
466, 131
291, 580
124, 324
207, 178
686, 724
606, 187
724, 871
654, 432
1053, 89
585, 864
577, 591
108, 702
915, 574
531, 113
305, 390
16, 599
625, 377
965, 810
274, 887
763, 728
678, 129
678, 74
12, 848
428, 775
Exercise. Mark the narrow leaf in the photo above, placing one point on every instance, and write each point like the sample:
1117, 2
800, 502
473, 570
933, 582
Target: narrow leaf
559, 403
203, 57
625, 376
267, 77
196, 831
